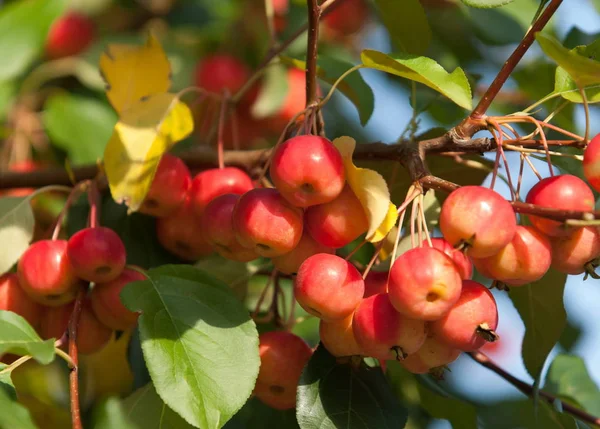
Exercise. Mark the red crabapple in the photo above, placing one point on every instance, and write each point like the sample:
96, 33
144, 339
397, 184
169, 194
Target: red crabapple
106, 301
479, 218
328, 287
265, 221
210, 184
472, 318
69, 35
13, 298
289, 263
180, 234
283, 356
565, 192
524, 260
383, 333
347, 18
571, 254
462, 261
96, 254
46, 274
169, 187
308, 170
432, 354
339, 222
218, 72
376, 282
591, 163
338, 338
424, 283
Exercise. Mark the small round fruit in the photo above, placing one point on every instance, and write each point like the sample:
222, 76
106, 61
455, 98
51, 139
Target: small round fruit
376, 282
478, 218
571, 254
54, 321
180, 234
267, 223
591, 163
346, 19
328, 287
69, 35
424, 283
564, 192
46, 274
338, 337
217, 227
289, 263
219, 72
283, 356
524, 260
432, 354
106, 301
472, 318
383, 333
169, 187
462, 261
96, 254
339, 222
210, 184
13, 298
308, 170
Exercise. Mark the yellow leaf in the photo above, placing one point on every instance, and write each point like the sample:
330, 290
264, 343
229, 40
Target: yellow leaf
143, 134
134, 72
372, 191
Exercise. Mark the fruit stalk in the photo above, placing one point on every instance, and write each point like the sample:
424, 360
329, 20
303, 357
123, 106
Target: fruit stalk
74, 375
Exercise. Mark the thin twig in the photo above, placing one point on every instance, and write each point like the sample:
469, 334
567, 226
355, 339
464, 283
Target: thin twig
74, 375
314, 14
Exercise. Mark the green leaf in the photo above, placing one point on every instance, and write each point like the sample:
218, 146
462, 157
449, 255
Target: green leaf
16, 227
110, 414
256, 415
331, 395
540, 305
12, 414
272, 93
522, 414
199, 343
486, 4
18, 337
79, 125
455, 85
233, 273
407, 24
568, 378
145, 410
8, 91
23, 29
6, 383
567, 88
579, 63
495, 26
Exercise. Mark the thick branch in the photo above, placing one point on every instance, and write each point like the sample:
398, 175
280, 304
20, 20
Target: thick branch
314, 13
529, 390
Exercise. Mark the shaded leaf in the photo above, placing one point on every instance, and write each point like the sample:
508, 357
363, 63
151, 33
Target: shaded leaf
568, 378
407, 24
495, 27
272, 92
256, 415
18, 337
16, 227
486, 3
12, 414
453, 85
199, 343
440, 405
523, 415
541, 307
332, 395
110, 414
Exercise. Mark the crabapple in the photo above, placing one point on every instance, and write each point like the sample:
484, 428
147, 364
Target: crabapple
283, 356
432, 354
294, 101
338, 222
462, 261
328, 287
265, 221
169, 187
338, 338
180, 234
290, 262
210, 184
106, 301
479, 218
571, 254
376, 282
13, 298
424, 283
346, 19
96, 254
565, 192
524, 260
217, 228
383, 333
471, 322
308, 170
218, 72
591, 163
69, 35
46, 274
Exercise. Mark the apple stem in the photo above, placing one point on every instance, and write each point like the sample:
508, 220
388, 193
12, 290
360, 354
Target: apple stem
94, 202
220, 143
74, 375
76, 191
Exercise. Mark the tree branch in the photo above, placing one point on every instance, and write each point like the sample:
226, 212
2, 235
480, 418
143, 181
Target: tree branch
528, 390
74, 375
314, 13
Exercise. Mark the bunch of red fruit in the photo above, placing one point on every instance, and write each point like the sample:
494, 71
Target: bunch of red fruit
51, 273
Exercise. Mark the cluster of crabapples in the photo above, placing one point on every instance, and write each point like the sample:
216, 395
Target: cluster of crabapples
51, 273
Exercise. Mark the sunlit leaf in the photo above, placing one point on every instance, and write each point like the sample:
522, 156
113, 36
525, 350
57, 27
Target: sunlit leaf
486, 3
18, 337
16, 228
